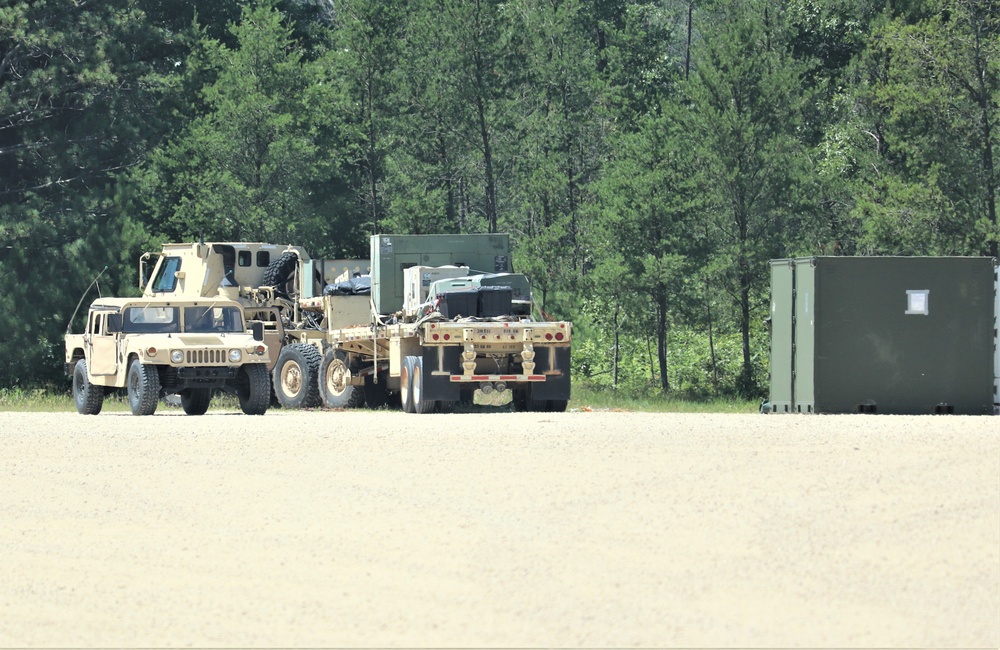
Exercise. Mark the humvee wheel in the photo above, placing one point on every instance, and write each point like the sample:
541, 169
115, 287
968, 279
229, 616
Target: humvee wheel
143, 388
195, 401
89, 398
335, 386
255, 393
296, 376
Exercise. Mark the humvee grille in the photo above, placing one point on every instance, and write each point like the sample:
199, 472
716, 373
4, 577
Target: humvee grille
201, 357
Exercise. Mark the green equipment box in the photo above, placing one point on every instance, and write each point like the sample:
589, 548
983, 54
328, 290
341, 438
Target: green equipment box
392, 254
900, 335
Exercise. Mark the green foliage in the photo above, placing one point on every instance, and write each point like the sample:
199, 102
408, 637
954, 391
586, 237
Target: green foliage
255, 164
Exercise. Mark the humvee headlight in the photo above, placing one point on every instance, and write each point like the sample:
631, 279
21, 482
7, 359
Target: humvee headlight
235, 355
176, 356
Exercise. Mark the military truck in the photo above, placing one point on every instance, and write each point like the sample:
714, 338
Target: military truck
424, 323
155, 348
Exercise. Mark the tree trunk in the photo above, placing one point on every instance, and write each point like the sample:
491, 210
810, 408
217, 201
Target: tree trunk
661, 337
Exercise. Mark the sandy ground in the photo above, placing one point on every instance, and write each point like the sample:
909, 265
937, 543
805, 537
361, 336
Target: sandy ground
364, 529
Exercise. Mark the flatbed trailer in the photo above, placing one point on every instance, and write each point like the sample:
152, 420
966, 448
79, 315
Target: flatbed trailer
436, 362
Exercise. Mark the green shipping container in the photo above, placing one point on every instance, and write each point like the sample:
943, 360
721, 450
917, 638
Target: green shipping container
902, 335
391, 254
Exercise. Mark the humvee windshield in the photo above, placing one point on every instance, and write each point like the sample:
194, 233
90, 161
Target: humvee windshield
213, 319
150, 319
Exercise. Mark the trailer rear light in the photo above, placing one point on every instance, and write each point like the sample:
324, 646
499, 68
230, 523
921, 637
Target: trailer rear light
559, 336
447, 337
548, 336
435, 337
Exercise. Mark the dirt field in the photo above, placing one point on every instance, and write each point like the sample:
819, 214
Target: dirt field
580, 529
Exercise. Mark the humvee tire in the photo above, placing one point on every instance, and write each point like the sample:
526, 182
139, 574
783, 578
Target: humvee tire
89, 398
255, 395
143, 388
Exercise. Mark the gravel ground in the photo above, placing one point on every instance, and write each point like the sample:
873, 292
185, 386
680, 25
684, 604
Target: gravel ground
600, 529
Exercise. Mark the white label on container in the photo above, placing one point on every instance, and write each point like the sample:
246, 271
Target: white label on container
917, 301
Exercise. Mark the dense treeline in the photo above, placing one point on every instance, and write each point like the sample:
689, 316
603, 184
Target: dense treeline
647, 158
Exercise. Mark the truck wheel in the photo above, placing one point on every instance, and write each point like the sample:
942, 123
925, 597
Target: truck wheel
377, 394
419, 396
335, 386
88, 397
195, 401
406, 384
255, 389
143, 388
296, 376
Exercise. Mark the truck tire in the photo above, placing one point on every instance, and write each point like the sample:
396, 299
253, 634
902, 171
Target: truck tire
254, 391
406, 384
296, 376
335, 386
195, 401
377, 394
88, 397
419, 396
279, 271
143, 388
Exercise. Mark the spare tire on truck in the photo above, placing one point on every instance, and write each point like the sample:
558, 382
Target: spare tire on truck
280, 271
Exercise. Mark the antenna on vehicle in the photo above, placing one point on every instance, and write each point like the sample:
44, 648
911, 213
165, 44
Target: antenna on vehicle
69, 325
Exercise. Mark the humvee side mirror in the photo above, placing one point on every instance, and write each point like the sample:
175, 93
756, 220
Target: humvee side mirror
114, 323
258, 331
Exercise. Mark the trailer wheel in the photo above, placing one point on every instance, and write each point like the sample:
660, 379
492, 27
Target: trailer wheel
406, 384
296, 376
336, 387
195, 401
255, 393
88, 397
143, 388
419, 396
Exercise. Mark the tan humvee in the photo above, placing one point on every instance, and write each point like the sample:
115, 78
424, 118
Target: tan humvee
155, 348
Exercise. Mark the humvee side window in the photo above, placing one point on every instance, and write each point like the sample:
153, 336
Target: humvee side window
165, 280
150, 319
245, 258
213, 319
263, 258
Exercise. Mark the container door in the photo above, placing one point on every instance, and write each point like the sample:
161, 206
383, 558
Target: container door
804, 354
782, 343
